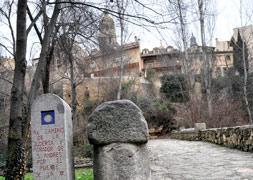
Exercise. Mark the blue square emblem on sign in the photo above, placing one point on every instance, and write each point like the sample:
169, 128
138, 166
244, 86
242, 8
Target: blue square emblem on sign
47, 117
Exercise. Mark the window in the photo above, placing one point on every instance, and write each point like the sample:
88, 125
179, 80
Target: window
227, 58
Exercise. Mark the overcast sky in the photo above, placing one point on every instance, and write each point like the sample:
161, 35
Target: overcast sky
228, 17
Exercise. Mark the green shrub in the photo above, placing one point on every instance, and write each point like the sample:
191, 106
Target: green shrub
157, 113
84, 174
175, 88
89, 106
85, 151
88, 150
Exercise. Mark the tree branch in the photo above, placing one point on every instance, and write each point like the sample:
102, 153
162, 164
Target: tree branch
33, 23
112, 12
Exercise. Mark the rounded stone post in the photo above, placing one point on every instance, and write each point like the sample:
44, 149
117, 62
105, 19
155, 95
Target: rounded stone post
119, 133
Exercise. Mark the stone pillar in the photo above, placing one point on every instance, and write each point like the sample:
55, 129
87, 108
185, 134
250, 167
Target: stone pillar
119, 133
51, 127
200, 126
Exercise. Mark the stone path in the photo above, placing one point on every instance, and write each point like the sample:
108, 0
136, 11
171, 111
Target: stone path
184, 160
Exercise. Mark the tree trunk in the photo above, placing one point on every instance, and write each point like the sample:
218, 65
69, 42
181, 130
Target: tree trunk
207, 72
245, 78
73, 89
186, 70
46, 79
121, 57
15, 140
41, 68
245, 81
184, 40
40, 73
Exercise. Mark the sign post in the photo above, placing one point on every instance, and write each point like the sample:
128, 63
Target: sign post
52, 139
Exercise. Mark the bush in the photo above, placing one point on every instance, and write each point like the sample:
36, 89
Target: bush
88, 150
175, 88
89, 106
157, 113
85, 151
220, 84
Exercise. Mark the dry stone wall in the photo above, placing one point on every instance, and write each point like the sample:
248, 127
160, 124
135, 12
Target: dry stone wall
240, 137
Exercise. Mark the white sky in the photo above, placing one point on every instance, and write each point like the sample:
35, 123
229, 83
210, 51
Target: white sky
228, 17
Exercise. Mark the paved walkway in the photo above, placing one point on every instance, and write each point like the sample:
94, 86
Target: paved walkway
184, 160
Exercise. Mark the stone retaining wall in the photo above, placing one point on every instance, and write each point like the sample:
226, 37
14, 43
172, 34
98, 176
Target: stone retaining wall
233, 137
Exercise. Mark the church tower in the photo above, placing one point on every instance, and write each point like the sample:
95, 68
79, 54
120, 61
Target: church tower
107, 35
193, 41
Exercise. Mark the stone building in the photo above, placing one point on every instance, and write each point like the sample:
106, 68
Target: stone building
157, 62
243, 36
102, 66
224, 59
196, 61
161, 60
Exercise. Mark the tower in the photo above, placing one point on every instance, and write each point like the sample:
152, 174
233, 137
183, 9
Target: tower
107, 35
193, 41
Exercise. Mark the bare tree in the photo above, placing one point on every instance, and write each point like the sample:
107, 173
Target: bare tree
6, 12
74, 23
180, 9
19, 121
121, 8
245, 77
206, 59
15, 137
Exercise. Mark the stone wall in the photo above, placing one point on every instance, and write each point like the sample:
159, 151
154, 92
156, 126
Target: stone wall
240, 137
188, 135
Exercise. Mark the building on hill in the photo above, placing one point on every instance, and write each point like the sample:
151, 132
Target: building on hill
224, 58
107, 39
105, 62
158, 62
195, 59
102, 66
161, 60
243, 36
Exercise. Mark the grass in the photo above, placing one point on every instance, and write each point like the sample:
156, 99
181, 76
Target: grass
81, 174
84, 174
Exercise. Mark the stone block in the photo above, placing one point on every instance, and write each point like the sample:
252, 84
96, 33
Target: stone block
119, 133
121, 161
117, 121
199, 126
